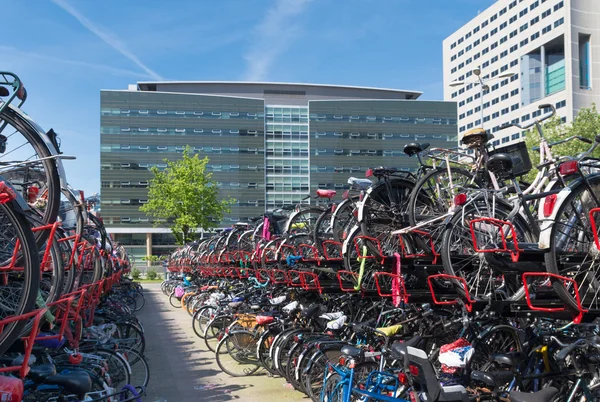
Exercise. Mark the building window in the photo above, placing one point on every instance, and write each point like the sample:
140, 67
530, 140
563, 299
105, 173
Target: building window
523, 27
561, 104
559, 22
559, 6
584, 61
523, 12
534, 5
534, 21
535, 36
546, 13
547, 29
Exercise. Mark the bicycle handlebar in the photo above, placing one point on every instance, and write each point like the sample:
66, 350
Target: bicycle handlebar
535, 121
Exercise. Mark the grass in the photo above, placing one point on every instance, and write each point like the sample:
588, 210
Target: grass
157, 280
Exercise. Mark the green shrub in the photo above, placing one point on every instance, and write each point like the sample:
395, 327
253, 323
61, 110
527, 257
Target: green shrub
135, 273
151, 274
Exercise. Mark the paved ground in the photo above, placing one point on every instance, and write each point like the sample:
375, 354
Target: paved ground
181, 369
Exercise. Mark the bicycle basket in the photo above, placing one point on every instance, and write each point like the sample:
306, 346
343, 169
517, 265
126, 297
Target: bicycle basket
520, 157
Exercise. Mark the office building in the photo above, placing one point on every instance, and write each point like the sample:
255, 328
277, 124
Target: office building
548, 44
269, 144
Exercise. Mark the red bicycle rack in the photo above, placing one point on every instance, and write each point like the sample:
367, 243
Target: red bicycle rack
500, 225
594, 226
295, 278
28, 340
347, 282
580, 310
368, 240
310, 281
263, 275
392, 284
279, 277
270, 253
429, 238
309, 253
454, 279
332, 250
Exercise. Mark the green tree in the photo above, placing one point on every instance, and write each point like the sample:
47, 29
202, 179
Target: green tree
586, 124
185, 196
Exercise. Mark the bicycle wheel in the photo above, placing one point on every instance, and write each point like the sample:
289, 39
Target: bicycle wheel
215, 331
499, 339
433, 195
264, 344
140, 370
118, 367
236, 354
484, 279
342, 218
303, 221
573, 252
384, 209
130, 337
323, 230
20, 285
37, 181
201, 319
140, 301
174, 301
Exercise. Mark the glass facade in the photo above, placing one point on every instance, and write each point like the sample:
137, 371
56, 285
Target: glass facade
543, 71
287, 158
268, 146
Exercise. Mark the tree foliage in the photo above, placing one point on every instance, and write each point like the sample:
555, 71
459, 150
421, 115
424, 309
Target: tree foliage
586, 124
185, 196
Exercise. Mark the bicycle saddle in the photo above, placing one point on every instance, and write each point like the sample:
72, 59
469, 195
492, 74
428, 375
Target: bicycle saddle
500, 164
513, 359
493, 378
76, 382
545, 395
383, 171
41, 371
399, 348
475, 137
414, 148
321, 193
351, 351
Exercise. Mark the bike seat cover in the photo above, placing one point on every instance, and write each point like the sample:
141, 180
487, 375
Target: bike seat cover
322, 193
475, 137
360, 184
493, 378
76, 382
391, 330
545, 395
264, 319
39, 372
352, 351
278, 300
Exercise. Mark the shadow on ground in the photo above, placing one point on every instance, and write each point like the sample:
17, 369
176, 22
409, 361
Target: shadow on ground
182, 370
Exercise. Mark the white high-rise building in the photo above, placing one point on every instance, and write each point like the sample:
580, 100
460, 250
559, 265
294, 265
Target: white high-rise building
552, 46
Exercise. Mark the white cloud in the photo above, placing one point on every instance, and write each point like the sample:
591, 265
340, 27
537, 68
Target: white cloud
272, 37
108, 37
13, 52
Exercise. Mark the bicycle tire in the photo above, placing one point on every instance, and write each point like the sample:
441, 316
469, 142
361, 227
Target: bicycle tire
33, 135
240, 346
27, 279
572, 231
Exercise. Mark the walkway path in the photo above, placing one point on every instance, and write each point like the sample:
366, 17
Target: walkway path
181, 369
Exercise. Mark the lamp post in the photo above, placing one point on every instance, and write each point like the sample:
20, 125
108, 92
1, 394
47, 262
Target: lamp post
482, 82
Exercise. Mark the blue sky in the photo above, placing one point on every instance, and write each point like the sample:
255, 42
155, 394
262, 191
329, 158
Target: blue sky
65, 51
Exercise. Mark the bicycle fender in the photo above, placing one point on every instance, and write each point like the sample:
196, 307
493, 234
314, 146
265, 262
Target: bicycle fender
546, 222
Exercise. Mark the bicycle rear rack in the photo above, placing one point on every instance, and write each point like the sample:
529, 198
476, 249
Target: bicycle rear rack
456, 281
580, 310
500, 226
347, 282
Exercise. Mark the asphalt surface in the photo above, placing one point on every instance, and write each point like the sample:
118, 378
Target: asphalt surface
182, 370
